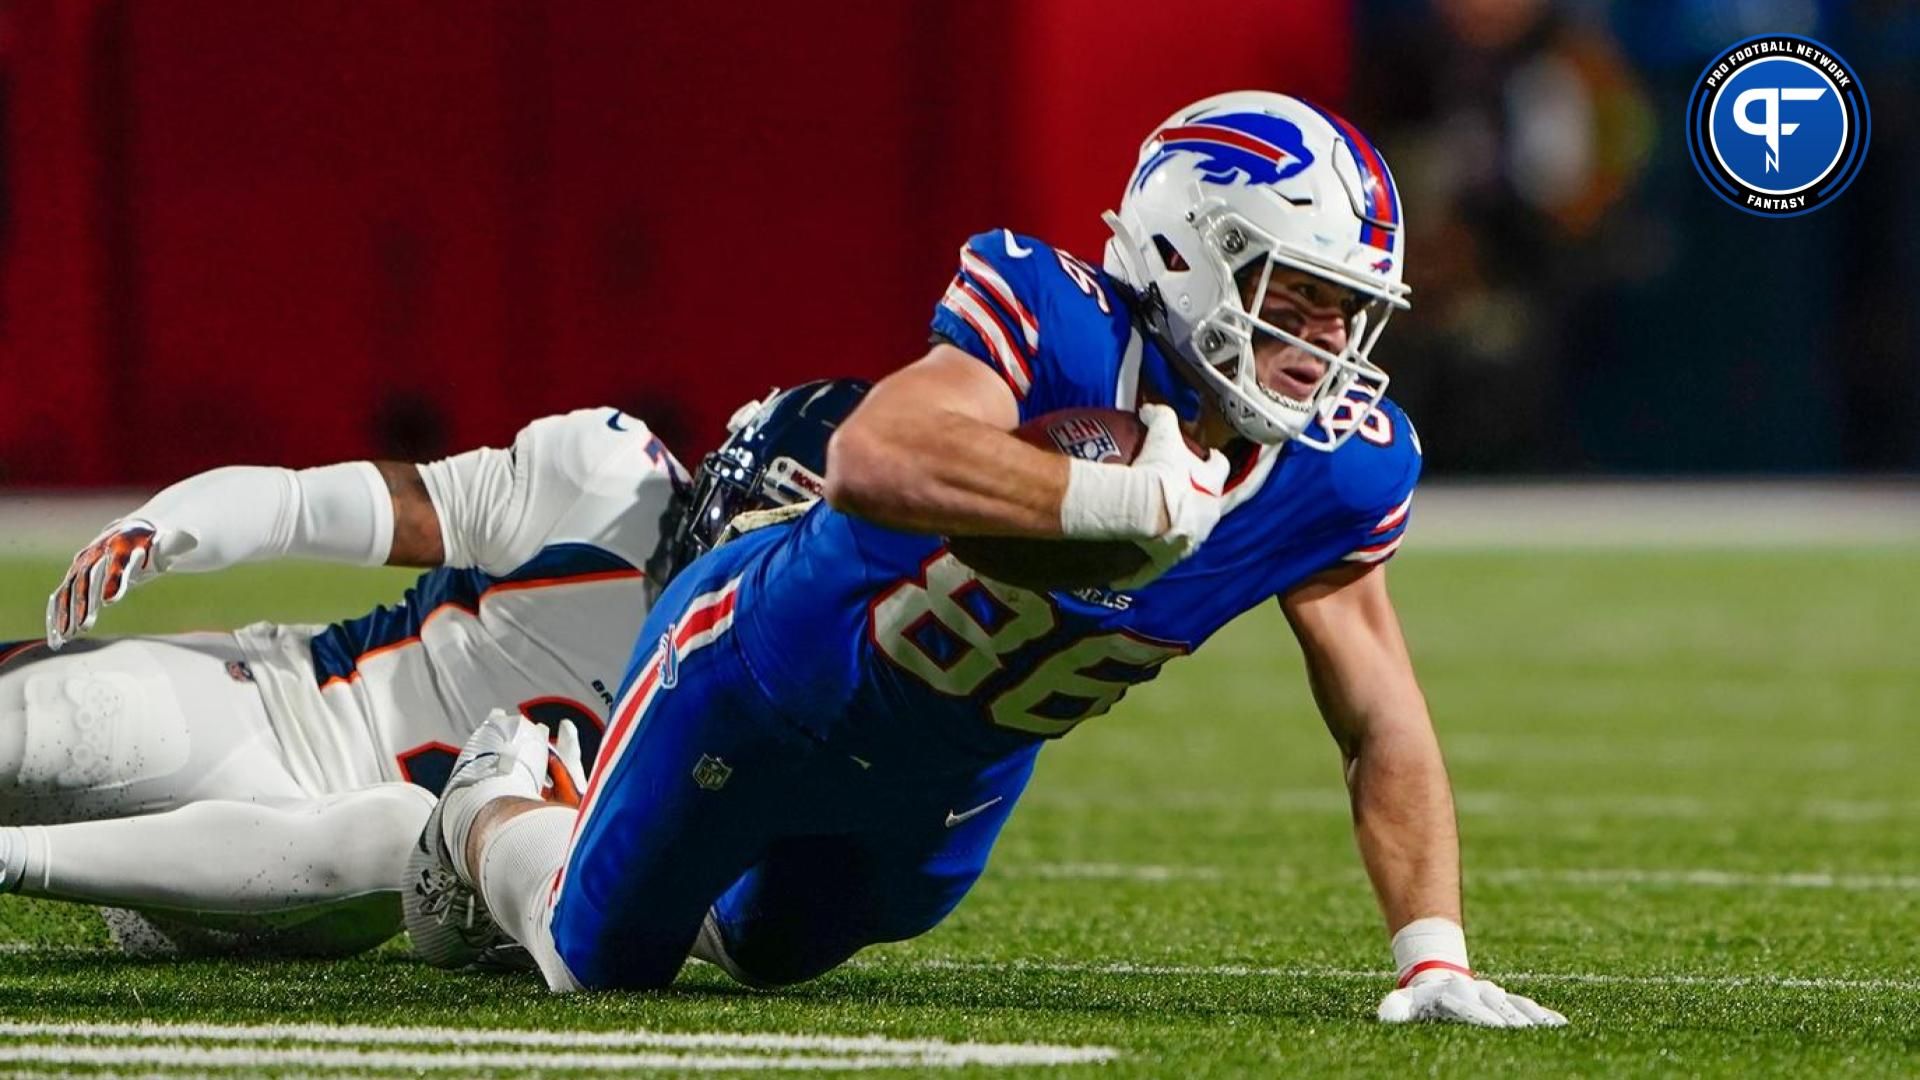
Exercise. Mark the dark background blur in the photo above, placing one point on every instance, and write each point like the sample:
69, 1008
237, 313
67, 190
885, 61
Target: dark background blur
298, 232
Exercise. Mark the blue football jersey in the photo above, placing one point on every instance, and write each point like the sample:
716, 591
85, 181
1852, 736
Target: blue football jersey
851, 622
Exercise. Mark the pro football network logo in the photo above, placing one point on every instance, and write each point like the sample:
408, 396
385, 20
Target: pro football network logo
1778, 125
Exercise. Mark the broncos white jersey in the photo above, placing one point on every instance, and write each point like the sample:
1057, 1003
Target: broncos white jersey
537, 608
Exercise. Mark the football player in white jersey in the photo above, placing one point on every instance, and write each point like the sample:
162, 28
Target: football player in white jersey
260, 789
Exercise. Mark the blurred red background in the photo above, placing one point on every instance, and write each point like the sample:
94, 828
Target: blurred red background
296, 233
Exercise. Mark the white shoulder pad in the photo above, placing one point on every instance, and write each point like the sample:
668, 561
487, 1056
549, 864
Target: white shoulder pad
593, 476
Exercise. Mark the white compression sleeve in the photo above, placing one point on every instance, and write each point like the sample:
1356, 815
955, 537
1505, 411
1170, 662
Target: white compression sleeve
226, 857
247, 513
517, 866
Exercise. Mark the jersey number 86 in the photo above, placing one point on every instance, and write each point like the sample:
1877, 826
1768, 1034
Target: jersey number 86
955, 631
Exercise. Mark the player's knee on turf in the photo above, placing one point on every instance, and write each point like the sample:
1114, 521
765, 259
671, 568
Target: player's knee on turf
617, 961
767, 953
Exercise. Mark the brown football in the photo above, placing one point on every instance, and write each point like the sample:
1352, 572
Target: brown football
1108, 435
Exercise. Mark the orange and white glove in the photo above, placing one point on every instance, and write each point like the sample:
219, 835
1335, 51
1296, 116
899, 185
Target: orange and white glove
131, 551
221, 518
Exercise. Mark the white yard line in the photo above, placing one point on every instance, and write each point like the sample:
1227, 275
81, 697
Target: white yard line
406, 1035
1480, 802
1642, 751
1710, 879
466, 1062
1105, 871
1520, 875
169, 1044
1765, 982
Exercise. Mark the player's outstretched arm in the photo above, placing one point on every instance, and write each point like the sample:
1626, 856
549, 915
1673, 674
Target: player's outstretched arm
1362, 678
929, 450
361, 512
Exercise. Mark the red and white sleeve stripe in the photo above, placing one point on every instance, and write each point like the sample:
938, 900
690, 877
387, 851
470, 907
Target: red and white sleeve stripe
1384, 549
1399, 514
1376, 552
973, 309
978, 269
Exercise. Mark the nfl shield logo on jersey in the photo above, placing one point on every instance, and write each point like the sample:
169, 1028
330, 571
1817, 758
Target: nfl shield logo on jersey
1085, 438
711, 773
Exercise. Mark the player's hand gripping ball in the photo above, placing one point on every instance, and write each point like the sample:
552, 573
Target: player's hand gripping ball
1101, 435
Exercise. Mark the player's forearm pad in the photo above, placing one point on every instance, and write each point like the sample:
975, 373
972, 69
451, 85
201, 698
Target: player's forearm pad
246, 513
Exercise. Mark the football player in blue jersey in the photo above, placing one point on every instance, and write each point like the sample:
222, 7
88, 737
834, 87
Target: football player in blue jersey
827, 722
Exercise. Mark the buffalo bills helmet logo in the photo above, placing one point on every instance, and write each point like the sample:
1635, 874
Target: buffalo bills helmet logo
1234, 148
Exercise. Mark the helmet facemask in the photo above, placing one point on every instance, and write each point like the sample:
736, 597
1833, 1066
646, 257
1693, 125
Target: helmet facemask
1234, 190
1221, 346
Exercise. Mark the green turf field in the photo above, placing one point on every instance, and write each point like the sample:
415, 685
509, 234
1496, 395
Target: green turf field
1688, 803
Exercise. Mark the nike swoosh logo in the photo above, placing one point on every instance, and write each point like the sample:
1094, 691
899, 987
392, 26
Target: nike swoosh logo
955, 819
1014, 250
614, 421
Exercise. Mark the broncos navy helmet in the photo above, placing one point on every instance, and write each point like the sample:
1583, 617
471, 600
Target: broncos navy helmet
774, 456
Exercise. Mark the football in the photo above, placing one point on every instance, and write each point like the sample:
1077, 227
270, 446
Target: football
1106, 435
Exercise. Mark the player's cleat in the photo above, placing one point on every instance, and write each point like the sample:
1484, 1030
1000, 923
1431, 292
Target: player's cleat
447, 922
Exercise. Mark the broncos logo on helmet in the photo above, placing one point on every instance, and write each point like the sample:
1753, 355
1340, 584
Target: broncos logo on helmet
1245, 148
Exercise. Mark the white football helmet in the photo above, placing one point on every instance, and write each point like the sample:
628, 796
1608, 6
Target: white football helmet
1232, 187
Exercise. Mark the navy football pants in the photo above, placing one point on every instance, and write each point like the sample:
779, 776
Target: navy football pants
704, 798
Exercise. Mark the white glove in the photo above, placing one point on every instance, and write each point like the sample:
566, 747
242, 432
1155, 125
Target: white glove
507, 757
132, 551
1167, 501
1189, 486
1450, 997
531, 765
566, 775
520, 767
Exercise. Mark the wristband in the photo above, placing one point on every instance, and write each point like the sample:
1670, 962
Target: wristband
1429, 945
1109, 502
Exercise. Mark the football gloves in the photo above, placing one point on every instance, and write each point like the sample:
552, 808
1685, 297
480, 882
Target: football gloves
1451, 997
130, 552
1190, 489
